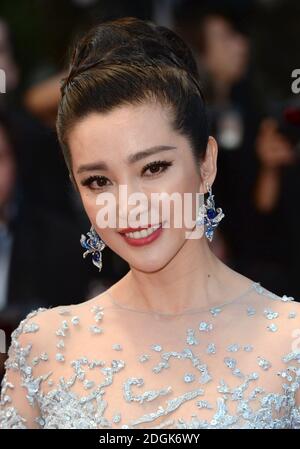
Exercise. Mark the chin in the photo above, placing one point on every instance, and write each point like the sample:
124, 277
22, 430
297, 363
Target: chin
152, 263
147, 267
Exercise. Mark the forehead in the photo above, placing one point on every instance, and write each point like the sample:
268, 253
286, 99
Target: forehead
125, 119
125, 129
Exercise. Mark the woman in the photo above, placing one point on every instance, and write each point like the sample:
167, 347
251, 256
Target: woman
182, 340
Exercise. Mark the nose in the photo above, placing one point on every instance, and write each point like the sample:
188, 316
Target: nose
132, 204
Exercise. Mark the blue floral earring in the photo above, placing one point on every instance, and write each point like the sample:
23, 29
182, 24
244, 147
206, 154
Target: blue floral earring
208, 215
93, 245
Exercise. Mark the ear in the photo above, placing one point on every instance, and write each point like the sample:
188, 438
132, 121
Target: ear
208, 166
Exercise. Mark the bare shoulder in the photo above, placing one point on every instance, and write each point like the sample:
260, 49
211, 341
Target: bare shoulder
54, 321
38, 326
288, 305
280, 315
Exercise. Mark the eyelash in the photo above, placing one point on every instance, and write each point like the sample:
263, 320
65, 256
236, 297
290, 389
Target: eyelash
164, 164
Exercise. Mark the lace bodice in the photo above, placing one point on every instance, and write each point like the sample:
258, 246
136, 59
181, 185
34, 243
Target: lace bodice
99, 365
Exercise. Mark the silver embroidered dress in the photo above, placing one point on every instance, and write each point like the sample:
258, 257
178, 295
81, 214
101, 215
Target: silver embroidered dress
99, 365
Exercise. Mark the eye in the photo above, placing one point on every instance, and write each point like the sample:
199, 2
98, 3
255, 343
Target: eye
95, 182
156, 167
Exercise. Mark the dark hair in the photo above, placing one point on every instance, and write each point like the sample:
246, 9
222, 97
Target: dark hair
130, 61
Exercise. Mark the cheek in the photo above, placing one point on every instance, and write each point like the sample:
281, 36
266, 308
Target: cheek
183, 211
183, 178
89, 204
182, 182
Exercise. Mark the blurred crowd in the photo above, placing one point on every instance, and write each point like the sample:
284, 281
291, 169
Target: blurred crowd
256, 124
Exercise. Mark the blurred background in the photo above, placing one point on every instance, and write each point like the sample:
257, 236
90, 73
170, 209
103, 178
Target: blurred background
248, 54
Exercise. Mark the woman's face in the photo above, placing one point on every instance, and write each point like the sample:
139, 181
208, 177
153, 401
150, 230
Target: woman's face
101, 145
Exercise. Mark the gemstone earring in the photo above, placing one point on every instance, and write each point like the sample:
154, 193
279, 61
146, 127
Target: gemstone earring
94, 245
208, 215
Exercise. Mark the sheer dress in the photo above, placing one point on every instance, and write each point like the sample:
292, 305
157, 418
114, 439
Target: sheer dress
100, 365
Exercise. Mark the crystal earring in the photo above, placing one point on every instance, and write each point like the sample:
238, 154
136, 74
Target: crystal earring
94, 245
208, 215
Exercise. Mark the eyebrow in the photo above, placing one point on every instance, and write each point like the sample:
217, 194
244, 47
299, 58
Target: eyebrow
132, 158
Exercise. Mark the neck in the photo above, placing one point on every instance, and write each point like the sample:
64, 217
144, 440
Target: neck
195, 278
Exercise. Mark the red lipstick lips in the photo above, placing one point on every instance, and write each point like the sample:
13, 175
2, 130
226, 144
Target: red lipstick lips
143, 240
126, 230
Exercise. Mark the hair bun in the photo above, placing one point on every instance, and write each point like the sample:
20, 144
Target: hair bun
129, 41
